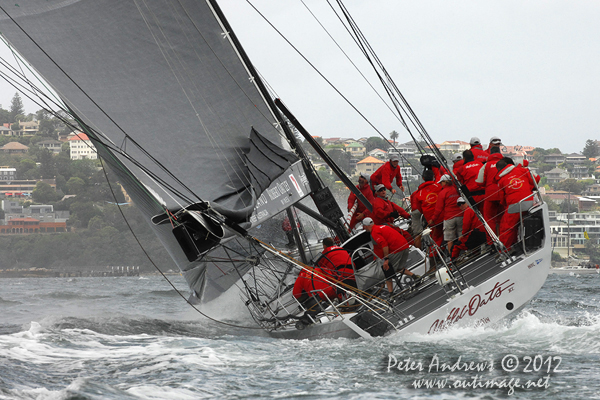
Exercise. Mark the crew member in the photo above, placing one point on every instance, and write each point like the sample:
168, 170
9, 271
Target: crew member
384, 211
492, 210
392, 247
469, 173
494, 142
447, 209
458, 162
423, 202
478, 153
386, 174
473, 233
515, 183
365, 189
336, 261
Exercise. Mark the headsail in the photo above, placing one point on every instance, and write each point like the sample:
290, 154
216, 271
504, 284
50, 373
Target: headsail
165, 96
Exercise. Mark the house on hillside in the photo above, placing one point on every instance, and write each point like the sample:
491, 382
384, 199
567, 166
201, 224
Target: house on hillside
81, 147
378, 153
580, 172
14, 148
556, 175
54, 146
575, 158
356, 149
368, 165
30, 128
455, 146
554, 159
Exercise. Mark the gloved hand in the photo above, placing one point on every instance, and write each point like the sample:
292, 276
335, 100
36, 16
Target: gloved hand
394, 214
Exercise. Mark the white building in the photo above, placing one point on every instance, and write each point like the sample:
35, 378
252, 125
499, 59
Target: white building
8, 174
81, 147
569, 231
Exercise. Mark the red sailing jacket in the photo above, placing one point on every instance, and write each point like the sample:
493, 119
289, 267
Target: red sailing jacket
367, 192
425, 198
336, 262
456, 169
385, 175
479, 154
382, 208
386, 236
471, 222
307, 281
469, 173
515, 184
487, 177
446, 204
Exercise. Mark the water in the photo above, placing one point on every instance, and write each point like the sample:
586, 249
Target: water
135, 338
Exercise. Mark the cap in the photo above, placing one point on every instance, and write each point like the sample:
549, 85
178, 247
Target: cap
394, 157
368, 221
445, 178
460, 201
379, 187
475, 140
495, 140
366, 176
457, 157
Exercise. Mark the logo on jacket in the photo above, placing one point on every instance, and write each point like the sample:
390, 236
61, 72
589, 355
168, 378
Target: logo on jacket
431, 198
516, 183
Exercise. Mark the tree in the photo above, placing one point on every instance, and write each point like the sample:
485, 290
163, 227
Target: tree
4, 116
16, 107
375, 142
43, 193
394, 135
75, 185
591, 149
571, 185
47, 165
24, 166
342, 159
82, 213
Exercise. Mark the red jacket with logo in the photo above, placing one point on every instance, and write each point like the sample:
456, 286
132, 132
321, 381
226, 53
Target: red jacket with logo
479, 154
469, 173
515, 184
425, 198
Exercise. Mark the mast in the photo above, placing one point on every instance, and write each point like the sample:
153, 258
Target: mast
324, 156
322, 196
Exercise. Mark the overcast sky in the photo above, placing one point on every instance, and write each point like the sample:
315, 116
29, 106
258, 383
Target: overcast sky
526, 71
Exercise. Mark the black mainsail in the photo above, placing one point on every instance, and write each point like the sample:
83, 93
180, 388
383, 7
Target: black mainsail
162, 90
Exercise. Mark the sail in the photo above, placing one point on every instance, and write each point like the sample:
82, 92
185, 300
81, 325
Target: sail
161, 72
165, 97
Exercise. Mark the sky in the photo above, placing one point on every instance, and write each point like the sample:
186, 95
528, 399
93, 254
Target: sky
525, 71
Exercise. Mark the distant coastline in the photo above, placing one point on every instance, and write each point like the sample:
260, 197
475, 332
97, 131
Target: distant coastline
79, 273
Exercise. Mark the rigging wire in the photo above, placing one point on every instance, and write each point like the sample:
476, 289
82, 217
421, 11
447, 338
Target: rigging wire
329, 81
145, 152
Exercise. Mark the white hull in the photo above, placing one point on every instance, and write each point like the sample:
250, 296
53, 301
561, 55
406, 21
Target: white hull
492, 292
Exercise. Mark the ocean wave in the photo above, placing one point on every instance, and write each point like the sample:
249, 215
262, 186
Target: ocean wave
68, 295
8, 302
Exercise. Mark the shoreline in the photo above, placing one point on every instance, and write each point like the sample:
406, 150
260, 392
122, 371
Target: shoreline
42, 273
